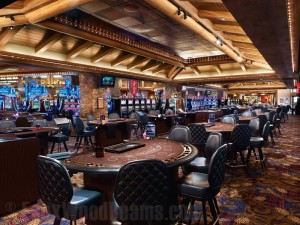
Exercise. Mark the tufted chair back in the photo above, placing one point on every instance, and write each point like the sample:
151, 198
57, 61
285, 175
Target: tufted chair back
78, 125
198, 133
152, 112
214, 141
216, 171
54, 183
7, 124
42, 123
228, 119
180, 133
266, 131
262, 121
141, 185
248, 113
21, 121
90, 117
240, 137
254, 125
271, 116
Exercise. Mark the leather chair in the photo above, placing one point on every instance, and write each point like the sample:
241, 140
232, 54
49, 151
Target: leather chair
141, 193
57, 192
7, 124
248, 113
204, 187
259, 142
198, 135
180, 133
21, 121
83, 132
262, 121
276, 124
240, 140
41, 123
142, 119
134, 126
254, 124
201, 164
229, 119
90, 117
62, 136
152, 112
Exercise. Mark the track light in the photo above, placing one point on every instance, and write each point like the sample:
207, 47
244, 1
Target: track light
185, 16
179, 11
219, 41
11, 27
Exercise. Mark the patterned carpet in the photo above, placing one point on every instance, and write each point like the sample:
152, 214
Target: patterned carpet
270, 197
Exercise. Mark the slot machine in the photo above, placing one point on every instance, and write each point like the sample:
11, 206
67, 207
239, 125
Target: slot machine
153, 103
148, 104
130, 105
137, 105
143, 105
36, 105
171, 103
124, 111
2, 103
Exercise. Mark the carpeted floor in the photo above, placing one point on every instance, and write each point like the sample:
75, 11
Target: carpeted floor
270, 197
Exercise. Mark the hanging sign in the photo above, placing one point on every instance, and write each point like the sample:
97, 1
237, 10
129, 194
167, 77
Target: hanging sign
133, 87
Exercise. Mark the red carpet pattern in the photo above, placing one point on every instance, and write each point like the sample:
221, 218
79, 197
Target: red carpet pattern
269, 197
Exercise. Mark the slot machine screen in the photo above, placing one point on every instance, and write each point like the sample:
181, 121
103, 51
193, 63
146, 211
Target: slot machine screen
130, 102
148, 101
123, 102
47, 104
136, 102
36, 104
142, 101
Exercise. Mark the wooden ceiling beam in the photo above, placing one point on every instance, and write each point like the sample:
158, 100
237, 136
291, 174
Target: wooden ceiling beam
79, 48
250, 51
161, 67
229, 28
243, 67
205, 1
217, 68
150, 65
196, 70
46, 44
102, 53
221, 15
136, 62
172, 70
176, 72
243, 45
237, 38
121, 58
8, 34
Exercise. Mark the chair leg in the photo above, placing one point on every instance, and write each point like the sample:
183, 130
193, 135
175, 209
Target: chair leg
261, 158
213, 211
204, 212
216, 205
92, 144
56, 221
76, 143
65, 145
80, 140
53, 144
191, 211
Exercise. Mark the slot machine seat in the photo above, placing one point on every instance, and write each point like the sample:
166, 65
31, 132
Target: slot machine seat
22, 121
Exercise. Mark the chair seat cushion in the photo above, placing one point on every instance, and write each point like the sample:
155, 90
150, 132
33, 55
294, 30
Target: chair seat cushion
256, 141
195, 185
58, 137
82, 200
199, 164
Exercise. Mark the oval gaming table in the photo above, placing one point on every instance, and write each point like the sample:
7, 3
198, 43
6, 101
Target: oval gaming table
100, 173
224, 128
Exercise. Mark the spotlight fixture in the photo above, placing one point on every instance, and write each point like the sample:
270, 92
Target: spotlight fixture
185, 16
219, 41
12, 19
179, 11
11, 27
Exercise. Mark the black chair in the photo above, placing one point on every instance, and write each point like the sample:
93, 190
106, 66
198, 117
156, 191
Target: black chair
142, 192
229, 119
57, 192
180, 133
259, 142
204, 187
198, 135
276, 124
83, 132
62, 136
254, 124
240, 140
142, 119
262, 121
201, 164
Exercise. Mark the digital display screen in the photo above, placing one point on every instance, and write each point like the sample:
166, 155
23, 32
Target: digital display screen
107, 81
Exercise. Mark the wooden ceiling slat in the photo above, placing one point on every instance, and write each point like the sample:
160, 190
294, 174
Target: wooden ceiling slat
8, 34
243, 67
150, 65
79, 48
229, 28
176, 72
243, 45
121, 58
102, 53
237, 38
218, 68
138, 61
172, 70
250, 51
45, 45
161, 67
196, 70
216, 15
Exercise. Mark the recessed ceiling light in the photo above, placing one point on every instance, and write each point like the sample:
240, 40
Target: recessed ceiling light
131, 8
